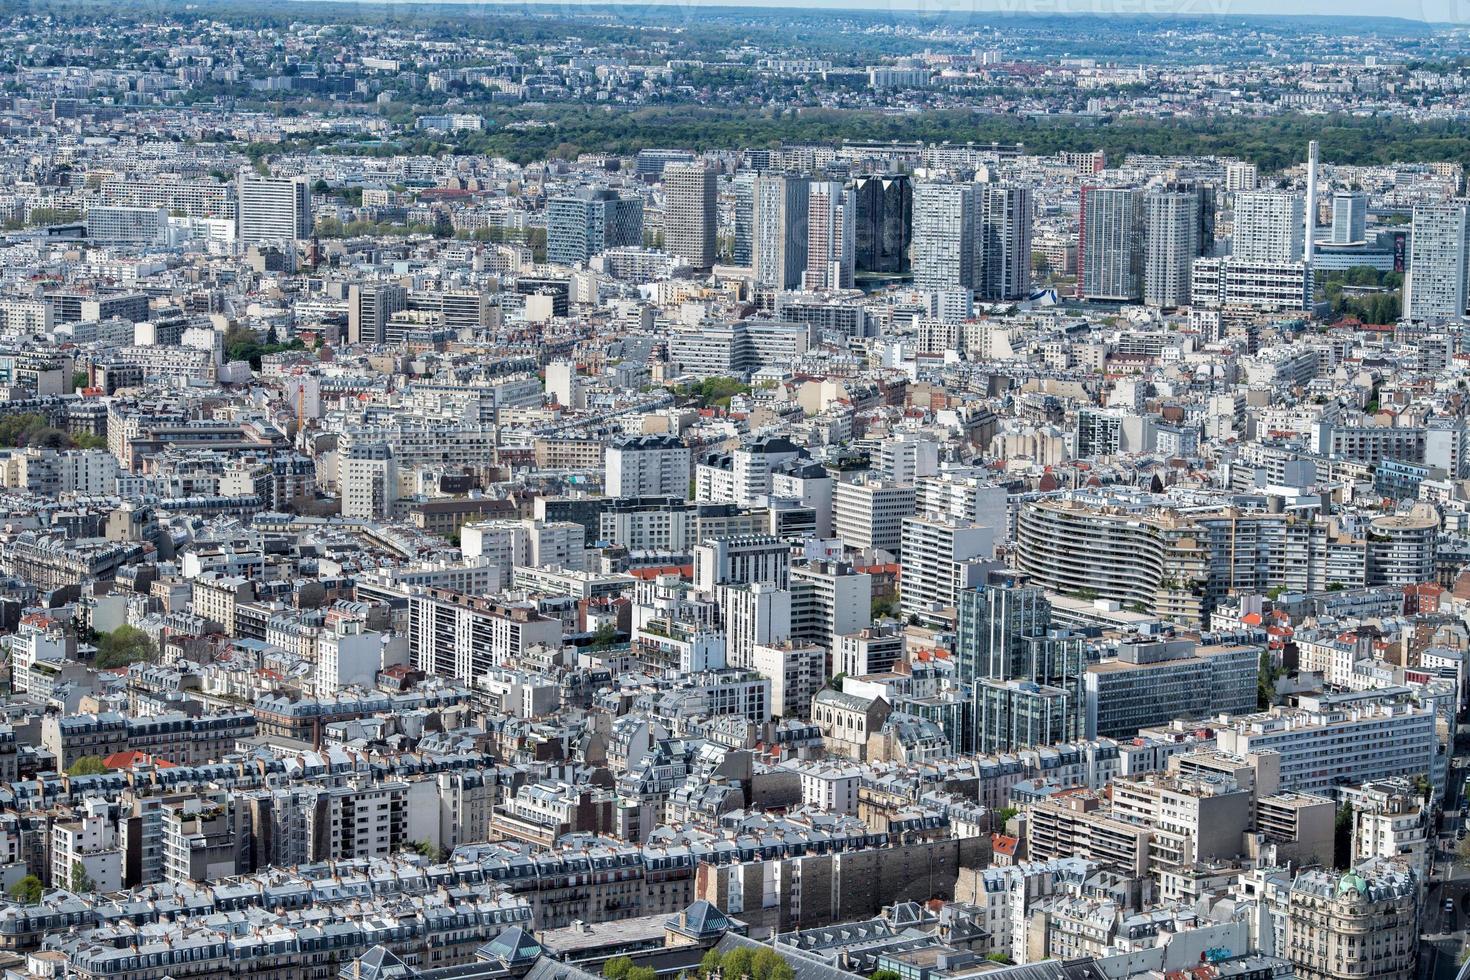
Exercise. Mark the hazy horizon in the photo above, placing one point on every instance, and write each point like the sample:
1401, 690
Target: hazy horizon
1433, 12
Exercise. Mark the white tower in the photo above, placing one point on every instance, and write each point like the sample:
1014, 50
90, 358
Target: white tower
1311, 200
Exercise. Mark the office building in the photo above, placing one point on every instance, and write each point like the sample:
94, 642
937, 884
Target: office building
589, 221
647, 466
136, 226
870, 515
370, 309
883, 226
690, 212
1349, 218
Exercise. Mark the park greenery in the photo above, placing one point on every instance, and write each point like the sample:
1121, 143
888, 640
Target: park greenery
1371, 296
31, 429
712, 392
123, 646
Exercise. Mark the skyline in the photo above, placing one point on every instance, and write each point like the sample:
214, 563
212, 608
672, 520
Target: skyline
1431, 13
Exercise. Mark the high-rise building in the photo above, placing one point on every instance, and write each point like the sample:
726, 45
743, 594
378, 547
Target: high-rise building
690, 213
591, 220
831, 210
273, 208
941, 556
1438, 241
1003, 242
1171, 244
1110, 244
1240, 176
993, 619
1349, 218
1026, 676
370, 306
1269, 227
779, 239
743, 187
883, 225
944, 236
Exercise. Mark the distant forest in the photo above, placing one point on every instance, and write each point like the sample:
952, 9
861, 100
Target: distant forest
1273, 143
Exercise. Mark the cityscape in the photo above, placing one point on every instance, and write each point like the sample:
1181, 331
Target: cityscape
637, 491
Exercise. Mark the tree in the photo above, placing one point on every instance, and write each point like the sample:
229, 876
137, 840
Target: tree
425, 847
87, 765
884, 975
28, 890
79, 379
767, 964
1004, 814
617, 968
124, 645
710, 963
736, 964
1266, 681
81, 882
604, 637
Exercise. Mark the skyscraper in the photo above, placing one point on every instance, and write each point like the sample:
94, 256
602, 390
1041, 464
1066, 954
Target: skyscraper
831, 209
1269, 227
1003, 242
743, 185
591, 220
1171, 244
1110, 244
1437, 262
690, 213
883, 225
944, 236
779, 239
1349, 218
273, 208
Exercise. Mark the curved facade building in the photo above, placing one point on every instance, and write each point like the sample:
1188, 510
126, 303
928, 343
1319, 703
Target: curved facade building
1155, 561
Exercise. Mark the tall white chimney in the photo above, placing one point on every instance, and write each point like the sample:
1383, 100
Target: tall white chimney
1311, 201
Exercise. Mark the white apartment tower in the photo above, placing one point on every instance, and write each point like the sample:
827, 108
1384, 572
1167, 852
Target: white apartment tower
1171, 242
273, 208
1269, 227
1438, 242
944, 236
830, 243
779, 236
